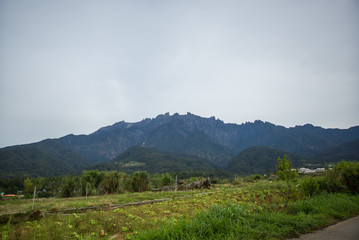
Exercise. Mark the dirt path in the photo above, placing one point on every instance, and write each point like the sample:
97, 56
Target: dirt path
347, 230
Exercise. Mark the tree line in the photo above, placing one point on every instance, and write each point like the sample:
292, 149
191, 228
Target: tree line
90, 183
343, 177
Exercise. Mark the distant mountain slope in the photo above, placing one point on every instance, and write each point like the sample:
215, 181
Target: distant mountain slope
177, 137
208, 138
347, 151
153, 161
108, 142
46, 158
306, 140
260, 160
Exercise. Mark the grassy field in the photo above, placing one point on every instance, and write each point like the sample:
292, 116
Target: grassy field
55, 204
247, 211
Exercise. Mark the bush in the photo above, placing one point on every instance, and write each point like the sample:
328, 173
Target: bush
90, 182
140, 181
256, 177
349, 175
113, 181
69, 185
343, 177
166, 180
28, 188
310, 186
237, 180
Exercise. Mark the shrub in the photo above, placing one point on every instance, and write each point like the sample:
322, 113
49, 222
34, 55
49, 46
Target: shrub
113, 181
28, 188
166, 180
90, 182
310, 186
343, 177
237, 180
140, 181
286, 174
349, 175
256, 177
68, 186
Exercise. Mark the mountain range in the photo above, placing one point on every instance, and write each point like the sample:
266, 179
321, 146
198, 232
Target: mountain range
191, 141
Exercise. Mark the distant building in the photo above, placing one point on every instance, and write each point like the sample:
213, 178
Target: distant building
305, 170
308, 170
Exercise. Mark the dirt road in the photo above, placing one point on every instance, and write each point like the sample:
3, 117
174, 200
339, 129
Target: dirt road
347, 230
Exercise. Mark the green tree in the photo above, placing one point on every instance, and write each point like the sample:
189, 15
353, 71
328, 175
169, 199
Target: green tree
28, 187
91, 180
39, 182
114, 182
166, 179
69, 185
140, 181
286, 174
155, 180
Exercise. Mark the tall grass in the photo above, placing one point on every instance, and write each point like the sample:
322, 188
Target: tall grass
234, 221
334, 205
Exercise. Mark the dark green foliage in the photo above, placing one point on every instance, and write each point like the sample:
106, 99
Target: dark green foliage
11, 185
256, 177
114, 182
28, 188
140, 181
153, 161
220, 174
69, 186
260, 160
166, 180
343, 177
310, 186
46, 158
90, 181
348, 151
349, 175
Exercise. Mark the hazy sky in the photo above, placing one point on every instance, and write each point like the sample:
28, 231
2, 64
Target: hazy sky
75, 66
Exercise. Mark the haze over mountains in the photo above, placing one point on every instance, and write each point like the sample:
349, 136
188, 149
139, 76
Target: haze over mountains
193, 142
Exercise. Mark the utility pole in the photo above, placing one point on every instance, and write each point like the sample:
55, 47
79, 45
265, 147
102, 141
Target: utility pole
176, 184
33, 200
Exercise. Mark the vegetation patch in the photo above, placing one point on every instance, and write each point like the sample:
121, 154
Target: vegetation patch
250, 208
247, 221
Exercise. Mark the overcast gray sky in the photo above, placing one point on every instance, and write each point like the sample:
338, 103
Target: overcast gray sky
75, 66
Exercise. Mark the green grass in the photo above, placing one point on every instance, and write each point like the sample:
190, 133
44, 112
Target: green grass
251, 211
47, 204
246, 221
338, 205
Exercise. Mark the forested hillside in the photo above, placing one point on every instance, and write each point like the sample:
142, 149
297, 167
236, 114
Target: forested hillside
154, 161
208, 139
46, 158
261, 160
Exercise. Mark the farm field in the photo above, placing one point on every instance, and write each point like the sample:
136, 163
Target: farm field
247, 211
